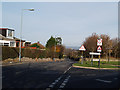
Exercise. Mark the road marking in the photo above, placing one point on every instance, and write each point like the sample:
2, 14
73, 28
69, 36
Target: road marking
90, 74
47, 88
52, 85
58, 79
64, 82
104, 81
115, 78
17, 72
67, 69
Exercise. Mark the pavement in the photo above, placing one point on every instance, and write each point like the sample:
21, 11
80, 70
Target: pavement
57, 75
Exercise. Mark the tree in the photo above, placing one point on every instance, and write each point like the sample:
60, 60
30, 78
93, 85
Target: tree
115, 47
90, 44
106, 45
55, 47
51, 42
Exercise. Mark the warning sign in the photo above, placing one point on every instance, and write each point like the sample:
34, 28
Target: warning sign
82, 48
99, 49
99, 42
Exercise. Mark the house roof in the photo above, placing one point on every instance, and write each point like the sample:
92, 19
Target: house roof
17, 39
41, 46
7, 29
4, 38
14, 39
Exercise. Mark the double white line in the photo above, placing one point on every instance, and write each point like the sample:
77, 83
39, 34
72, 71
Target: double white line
64, 82
58, 79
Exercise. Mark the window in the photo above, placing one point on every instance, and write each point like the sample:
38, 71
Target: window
9, 33
12, 44
6, 44
1, 44
17, 44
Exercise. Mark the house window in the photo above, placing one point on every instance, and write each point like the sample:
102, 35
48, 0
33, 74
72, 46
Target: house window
12, 44
1, 44
9, 33
6, 44
17, 44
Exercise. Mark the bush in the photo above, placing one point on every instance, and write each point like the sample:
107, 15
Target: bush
12, 52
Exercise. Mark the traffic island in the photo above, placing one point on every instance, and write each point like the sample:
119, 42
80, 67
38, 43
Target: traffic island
103, 65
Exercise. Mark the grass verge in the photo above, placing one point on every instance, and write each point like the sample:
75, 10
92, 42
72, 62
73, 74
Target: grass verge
103, 64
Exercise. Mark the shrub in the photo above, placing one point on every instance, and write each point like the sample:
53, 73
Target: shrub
12, 52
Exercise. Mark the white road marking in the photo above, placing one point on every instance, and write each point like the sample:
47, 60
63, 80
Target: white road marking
64, 82
61, 86
67, 69
115, 78
52, 85
57, 80
47, 88
104, 81
18, 72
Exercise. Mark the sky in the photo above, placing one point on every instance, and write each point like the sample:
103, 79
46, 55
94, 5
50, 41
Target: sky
72, 21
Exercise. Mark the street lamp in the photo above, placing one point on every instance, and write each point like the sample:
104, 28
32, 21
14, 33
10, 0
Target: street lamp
21, 31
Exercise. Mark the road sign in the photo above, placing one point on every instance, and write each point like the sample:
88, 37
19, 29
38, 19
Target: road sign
95, 59
92, 53
99, 42
99, 49
82, 48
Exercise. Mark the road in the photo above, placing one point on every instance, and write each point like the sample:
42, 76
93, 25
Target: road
59, 75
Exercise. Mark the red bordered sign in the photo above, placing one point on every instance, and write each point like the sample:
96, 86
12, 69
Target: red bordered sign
99, 49
82, 48
99, 42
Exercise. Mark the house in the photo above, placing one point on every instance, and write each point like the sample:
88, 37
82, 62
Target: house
17, 40
37, 46
7, 37
27, 43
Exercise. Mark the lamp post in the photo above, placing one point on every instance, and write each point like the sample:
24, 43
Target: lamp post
55, 48
21, 31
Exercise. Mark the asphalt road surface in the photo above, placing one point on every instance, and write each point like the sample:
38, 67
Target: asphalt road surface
57, 75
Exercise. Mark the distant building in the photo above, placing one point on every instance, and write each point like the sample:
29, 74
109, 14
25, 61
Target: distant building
27, 43
37, 46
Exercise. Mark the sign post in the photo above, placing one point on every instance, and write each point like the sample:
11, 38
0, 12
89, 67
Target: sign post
99, 49
93, 53
82, 48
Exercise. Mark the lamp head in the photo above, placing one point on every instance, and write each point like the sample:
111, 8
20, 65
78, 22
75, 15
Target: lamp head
32, 9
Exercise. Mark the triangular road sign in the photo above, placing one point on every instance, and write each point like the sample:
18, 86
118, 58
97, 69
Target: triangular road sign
82, 48
99, 49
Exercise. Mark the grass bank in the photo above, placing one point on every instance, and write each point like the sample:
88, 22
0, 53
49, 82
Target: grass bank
103, 64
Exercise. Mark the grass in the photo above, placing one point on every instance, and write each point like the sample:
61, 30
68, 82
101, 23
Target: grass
103, 64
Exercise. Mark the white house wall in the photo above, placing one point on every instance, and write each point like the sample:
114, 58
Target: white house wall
5, 41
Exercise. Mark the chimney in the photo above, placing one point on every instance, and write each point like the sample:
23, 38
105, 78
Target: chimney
38, 42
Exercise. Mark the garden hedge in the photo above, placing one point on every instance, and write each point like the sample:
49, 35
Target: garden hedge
13, 52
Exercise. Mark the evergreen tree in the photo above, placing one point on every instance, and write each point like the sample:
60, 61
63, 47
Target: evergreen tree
51, 42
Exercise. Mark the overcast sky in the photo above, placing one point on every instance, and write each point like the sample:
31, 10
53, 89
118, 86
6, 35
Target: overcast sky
73, 22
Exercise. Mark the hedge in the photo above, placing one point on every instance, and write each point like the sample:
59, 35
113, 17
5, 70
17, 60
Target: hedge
12, 52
